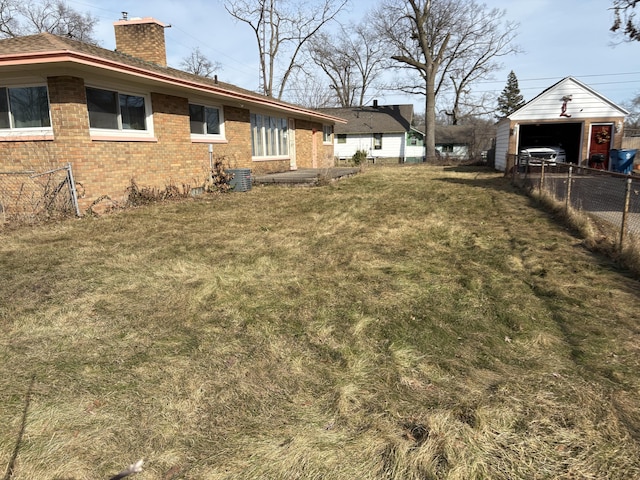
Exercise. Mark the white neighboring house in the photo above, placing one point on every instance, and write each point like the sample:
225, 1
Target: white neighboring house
384, 132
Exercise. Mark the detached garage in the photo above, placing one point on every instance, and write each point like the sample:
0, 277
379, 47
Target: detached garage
569, 115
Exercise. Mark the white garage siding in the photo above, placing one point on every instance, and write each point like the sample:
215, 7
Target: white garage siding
502, 144
581, 103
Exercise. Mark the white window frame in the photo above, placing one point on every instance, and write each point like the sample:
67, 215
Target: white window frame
268, 130
118, 133
327, 132
208, 137
23, 132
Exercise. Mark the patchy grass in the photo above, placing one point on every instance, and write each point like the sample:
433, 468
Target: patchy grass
421, 322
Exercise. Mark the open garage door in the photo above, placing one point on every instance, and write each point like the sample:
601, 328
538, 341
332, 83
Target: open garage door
566, 135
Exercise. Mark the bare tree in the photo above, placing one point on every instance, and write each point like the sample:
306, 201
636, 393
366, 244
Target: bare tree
353, 63
19, 18
198, 64
444, 41
625, 19
479, 40
308, 90
282, 28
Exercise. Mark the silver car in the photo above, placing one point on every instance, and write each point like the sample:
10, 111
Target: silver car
536, 155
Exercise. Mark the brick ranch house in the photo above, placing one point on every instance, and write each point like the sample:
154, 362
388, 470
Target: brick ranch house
124, 114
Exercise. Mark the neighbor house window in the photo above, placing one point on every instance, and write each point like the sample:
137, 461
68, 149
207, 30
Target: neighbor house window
269, 136
205, 121
377, 141
114, 110
327, 130
446, 148
24, 108
414, 139
342, 138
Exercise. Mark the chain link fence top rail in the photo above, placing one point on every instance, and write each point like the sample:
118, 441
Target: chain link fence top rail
29, 196
613, 198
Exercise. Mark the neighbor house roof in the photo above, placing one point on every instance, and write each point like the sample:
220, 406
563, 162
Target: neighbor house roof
454, 134
372, 119
48, 50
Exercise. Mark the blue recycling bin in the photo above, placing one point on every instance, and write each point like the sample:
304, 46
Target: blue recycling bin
622, 160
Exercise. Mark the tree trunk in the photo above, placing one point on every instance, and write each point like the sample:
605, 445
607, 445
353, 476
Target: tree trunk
430, 120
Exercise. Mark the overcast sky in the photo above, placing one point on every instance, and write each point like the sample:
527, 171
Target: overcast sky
559, 38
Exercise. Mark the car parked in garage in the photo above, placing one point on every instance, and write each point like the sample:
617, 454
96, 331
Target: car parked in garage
548, 154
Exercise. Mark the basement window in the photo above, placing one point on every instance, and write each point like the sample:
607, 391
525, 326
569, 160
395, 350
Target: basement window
111, 111
24, 110
206, 122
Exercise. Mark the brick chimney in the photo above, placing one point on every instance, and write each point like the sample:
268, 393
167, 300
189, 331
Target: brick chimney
142, 38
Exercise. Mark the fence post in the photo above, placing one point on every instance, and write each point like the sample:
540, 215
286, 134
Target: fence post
568, 193
72, 187
625, 210
541, 176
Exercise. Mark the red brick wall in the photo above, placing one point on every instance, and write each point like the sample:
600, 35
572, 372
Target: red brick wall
103, 167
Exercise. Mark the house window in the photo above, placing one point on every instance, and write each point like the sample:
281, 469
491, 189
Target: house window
269, 136
205, 121
116, 111
414, 139
446, 148
377, 141
327, 130
342, 138
24, 107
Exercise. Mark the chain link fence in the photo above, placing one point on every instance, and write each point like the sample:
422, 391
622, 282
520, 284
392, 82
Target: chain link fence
30, 196
607, 197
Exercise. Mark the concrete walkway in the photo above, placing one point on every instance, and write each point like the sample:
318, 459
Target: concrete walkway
303, 176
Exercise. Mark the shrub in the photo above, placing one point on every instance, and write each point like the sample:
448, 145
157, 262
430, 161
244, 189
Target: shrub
359, 157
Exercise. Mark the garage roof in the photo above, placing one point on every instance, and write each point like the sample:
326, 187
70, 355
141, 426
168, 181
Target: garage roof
568, 99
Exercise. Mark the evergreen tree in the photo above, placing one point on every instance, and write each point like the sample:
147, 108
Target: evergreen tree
510, 99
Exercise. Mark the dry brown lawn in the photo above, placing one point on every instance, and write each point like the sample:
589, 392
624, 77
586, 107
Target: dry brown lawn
405, 323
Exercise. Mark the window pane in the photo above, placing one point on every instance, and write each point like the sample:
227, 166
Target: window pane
196, 118
256, 135
132, 112
4, 109
342, 138
29, 107
103, 108
284, 142
213, 121
272, 142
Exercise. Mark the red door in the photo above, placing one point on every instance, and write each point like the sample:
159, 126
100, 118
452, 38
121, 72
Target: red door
599, 146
